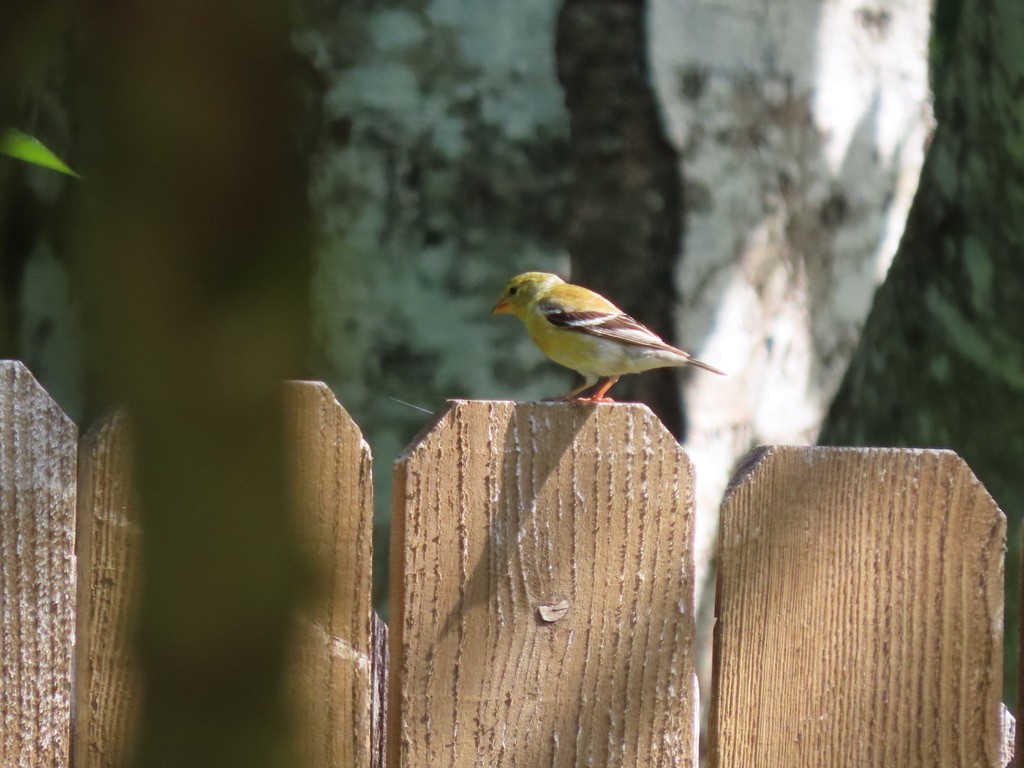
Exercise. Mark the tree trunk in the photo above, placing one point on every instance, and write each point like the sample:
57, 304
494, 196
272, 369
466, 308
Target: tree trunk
941, 359
624, 213
800, 125
440, 173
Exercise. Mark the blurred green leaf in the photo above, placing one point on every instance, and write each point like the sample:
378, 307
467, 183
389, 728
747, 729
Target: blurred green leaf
23, 147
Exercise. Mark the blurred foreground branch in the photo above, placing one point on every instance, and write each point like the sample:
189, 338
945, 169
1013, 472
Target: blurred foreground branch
194, 264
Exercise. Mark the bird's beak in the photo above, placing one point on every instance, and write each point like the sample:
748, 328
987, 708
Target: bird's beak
501, 308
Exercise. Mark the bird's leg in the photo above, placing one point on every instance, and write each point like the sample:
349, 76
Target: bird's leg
571, 394
598, 396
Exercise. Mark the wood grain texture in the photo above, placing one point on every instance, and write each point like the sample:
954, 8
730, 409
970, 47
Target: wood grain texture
331, 681
860, 609
107, 678
542, 603
38, 450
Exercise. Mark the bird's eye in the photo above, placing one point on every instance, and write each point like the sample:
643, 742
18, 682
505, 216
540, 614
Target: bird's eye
512, 291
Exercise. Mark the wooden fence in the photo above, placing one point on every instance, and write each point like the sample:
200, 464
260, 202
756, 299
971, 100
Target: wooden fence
542, 596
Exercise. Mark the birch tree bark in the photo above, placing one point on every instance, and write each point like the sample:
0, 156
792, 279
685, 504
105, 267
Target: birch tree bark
801, 126
941, 359
439, 172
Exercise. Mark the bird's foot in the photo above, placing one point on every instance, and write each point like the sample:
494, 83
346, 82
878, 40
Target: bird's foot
594, 400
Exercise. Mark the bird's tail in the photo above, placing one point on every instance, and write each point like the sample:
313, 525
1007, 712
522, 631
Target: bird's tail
700, 364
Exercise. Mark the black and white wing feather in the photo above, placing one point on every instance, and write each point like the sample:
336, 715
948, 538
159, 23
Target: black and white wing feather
617, 326
607, 325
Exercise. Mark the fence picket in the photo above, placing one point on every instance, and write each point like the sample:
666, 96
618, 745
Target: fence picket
38, 449
542, 608
332, 686
107, 685
860, 604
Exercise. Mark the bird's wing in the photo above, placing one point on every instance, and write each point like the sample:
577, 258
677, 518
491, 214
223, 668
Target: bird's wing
607, 325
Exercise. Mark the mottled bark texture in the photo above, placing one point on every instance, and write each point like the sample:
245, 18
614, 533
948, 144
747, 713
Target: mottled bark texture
623, 218
800, 125
439, 173
941, 359
194, 251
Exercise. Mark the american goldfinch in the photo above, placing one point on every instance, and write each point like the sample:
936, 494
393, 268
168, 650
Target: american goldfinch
584, 331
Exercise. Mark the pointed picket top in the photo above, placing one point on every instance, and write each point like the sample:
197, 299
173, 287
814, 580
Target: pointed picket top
542, 596
859, 614
579, 411
37, 571
332, 685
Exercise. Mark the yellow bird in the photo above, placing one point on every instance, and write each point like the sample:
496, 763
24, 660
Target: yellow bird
584, 331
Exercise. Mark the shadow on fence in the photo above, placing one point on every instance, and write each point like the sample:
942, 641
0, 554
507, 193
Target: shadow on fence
542, 596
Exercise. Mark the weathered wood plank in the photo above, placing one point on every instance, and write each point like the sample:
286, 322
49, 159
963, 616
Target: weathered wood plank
860, 605
107, 683
542, 604
38, 449
332, 678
